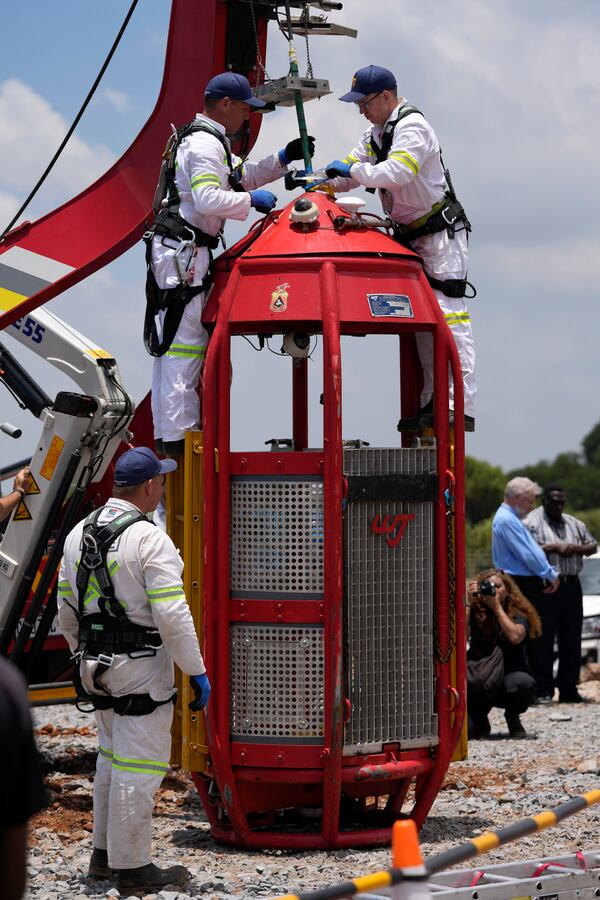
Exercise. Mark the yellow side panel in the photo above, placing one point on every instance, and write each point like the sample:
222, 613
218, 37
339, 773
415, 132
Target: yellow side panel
185, 505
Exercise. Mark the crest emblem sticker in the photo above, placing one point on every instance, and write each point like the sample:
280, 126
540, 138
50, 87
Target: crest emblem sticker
279, 298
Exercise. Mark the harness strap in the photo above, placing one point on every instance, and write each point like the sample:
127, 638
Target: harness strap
387, 139
93, 559
173, 300
445, 215
452, 287
128, 705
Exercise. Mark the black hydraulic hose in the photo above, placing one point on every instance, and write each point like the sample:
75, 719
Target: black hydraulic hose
16, 610
28, 394
47, 618
75, 121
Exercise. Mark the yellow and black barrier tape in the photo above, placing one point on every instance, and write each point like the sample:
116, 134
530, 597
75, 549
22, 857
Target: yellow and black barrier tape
475, 847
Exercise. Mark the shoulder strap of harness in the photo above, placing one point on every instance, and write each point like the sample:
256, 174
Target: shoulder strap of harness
170, 157
381, 153
96, 541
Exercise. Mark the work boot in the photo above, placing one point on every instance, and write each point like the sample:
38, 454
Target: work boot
150, 877
469, 421
423, 419
576, 697
99, 867
174, 448
515, 728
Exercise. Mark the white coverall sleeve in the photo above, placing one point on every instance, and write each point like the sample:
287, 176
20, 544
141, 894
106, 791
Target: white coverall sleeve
255, 174
66, 605
162, 567
413, 144
207, 172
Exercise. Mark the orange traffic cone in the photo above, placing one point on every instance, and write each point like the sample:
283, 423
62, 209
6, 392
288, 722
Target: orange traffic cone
406, 855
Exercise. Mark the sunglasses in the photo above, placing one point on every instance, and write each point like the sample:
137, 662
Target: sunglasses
364, 104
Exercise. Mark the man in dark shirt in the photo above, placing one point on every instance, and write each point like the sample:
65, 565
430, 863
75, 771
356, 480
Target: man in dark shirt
565, 540
22, 792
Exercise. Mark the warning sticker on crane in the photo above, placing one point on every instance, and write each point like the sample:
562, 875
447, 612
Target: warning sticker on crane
52, 457
398, 305
34, 487
22, 514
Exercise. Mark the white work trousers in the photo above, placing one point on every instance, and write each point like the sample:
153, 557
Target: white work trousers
456, 315
175, 376
444, 258
132, 761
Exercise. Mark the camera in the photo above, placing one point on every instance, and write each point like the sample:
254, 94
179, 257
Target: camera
486, 587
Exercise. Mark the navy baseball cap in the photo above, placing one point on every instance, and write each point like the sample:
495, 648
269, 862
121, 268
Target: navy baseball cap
139, 465
230, 84
370, 80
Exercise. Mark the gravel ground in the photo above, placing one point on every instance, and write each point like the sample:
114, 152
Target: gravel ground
502, 781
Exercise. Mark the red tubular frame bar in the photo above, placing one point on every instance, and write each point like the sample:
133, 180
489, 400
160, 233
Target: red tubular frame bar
428, 772
332, 521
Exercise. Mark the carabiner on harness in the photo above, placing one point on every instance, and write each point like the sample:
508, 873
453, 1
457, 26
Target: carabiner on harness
183, 266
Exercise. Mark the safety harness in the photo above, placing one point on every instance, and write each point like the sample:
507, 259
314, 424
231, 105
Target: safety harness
109, 632
445, 215
168, 223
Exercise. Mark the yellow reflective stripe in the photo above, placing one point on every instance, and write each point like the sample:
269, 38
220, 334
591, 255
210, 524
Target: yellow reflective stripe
370, 151
191, 350
205, 179
93, 588
141, 766
159, 592
407, 158
64, 589
107, 754
351, 158
457, 318
159, 595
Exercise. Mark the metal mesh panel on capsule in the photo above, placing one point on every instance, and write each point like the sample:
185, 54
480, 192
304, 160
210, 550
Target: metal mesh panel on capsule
277, 536
389, 610
277, 683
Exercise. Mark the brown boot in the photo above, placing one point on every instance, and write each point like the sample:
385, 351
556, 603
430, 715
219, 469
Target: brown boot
150, 877
99, 867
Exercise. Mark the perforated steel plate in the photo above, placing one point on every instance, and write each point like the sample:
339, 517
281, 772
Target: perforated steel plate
277, 536
277, 683
389, 609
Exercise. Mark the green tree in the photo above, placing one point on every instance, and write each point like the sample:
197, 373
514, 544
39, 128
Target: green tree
479, 546
484, 489
591, 446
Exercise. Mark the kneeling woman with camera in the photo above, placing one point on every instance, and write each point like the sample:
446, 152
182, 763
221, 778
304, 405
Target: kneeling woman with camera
500, 618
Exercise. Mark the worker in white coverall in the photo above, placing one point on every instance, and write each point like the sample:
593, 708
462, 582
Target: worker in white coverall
207, 199
412, 184
145, 570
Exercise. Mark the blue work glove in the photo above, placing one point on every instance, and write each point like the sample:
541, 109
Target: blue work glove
293, 150
338, 169
201, 688
263, 201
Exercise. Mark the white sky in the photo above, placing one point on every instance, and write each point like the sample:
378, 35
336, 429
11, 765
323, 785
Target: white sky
513, 91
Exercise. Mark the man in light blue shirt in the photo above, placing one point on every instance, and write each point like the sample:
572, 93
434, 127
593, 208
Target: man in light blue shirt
517, 553
514, 548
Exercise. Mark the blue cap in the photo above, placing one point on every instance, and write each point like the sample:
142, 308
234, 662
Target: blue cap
230, 84
139, 465
370, 80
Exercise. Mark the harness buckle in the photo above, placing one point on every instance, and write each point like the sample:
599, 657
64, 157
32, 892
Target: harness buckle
104, 659
449, 222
